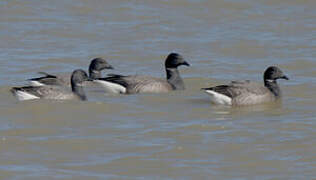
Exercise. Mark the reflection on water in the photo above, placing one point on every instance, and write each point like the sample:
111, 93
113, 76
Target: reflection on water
179, 135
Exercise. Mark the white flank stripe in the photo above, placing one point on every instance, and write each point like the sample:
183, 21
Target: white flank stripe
111, 87
218, 98
36, 83
22, 96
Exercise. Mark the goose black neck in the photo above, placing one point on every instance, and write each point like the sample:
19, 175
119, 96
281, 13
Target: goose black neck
174, 78
94, 74
273, 86
78, 90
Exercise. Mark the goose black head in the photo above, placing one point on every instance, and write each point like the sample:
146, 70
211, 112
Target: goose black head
79, 76
99, 64
273, 73
174, 60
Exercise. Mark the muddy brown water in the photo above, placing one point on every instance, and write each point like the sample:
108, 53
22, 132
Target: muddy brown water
178, 135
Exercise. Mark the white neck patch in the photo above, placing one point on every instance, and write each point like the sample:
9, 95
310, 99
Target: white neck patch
270, 80
94, 71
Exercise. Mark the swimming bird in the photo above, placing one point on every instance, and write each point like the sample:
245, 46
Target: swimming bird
54, 92
247, 92
145, 84
95, 68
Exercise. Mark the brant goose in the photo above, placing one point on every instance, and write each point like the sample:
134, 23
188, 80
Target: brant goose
54, 92
247, 92
95, 68
145, 84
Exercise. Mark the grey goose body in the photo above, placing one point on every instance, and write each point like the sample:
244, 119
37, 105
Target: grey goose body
54, 92
133, 84
95, 68
247, 92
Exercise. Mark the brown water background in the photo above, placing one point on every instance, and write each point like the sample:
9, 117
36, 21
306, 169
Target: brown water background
179, 135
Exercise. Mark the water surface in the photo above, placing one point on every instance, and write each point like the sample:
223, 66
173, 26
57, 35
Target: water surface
178, 135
